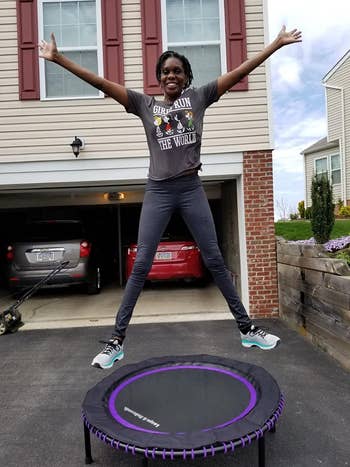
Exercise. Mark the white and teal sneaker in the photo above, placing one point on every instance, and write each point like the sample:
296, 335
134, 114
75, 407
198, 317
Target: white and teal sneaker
259, 338
112, 352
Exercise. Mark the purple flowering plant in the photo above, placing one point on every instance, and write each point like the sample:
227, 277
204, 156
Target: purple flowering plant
331, 246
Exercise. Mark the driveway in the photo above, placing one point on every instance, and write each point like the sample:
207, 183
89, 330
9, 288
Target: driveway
159, 302
45, 375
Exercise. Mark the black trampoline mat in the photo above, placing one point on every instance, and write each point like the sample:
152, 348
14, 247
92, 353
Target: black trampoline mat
182, 398
183, 402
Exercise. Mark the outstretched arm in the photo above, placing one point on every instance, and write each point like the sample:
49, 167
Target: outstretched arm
48, 50
226, 81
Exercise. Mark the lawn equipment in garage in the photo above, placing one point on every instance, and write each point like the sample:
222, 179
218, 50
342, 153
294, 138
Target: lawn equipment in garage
11, 319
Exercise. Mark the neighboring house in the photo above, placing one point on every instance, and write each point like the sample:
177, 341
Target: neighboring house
331, 155
43, 108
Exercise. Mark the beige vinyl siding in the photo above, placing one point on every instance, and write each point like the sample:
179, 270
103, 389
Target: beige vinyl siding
340, 78
333, 102
310, 171
43, 130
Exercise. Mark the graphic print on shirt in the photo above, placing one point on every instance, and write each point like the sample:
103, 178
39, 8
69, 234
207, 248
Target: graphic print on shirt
174, 125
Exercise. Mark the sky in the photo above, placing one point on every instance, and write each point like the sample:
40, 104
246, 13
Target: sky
297, 93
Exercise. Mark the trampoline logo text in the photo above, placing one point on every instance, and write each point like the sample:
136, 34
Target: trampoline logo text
141, 417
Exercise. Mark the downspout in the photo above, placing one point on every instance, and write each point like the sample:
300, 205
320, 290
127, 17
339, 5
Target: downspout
343, 140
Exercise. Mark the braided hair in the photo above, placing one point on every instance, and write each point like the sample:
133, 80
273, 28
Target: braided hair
185, 63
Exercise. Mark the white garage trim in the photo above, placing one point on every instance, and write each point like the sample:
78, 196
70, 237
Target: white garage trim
83, 172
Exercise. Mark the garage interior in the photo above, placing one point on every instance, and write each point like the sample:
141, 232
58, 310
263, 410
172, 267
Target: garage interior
110, 215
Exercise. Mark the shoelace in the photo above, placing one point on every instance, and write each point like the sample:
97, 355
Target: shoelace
259, 332
109, 348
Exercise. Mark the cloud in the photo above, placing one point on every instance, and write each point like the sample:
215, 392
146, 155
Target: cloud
317, 19
288, 71
298, 103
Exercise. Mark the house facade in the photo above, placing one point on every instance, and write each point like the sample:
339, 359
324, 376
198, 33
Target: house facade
43, 109
331, 155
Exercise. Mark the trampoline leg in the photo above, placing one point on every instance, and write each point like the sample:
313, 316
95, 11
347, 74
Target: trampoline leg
88, 458
261, 448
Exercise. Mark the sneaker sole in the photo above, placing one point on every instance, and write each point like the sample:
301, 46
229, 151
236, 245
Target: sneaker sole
247, 344
106, 367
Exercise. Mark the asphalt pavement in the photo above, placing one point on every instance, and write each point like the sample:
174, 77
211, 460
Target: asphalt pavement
45, 375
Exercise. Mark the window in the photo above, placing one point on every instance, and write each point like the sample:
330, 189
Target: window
329, 167
321, 166
195, 28
335, 169
76, 25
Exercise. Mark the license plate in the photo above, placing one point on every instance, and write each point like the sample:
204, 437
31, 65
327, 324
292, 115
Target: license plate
163, 255
45, 256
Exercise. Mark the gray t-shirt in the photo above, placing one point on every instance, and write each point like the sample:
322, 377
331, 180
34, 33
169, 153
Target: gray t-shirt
174, 132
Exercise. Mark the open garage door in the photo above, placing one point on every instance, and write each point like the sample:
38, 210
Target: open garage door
111, 215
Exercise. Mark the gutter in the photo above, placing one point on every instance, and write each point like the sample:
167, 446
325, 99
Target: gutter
342, 145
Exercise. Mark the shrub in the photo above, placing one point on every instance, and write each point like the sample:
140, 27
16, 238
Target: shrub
301, 209
345, 255
344, 211
293, 216
322, 210
308, 213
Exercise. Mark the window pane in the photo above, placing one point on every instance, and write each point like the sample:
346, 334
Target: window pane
200, 17
192, 8
87, 13
321, 165
69, 13
175, 9
336, 178
212, 8
61, 83
51, 13
74, 23
211, 29
88, 35
70, 36
176, 31
193, 31
335, 162
205, 62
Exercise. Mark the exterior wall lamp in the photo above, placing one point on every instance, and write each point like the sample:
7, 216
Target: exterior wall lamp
114, 196
77, 145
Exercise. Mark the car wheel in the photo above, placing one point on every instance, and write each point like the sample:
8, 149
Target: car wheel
94, 284
3, 327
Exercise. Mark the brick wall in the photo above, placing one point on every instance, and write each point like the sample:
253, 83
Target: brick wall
260, 234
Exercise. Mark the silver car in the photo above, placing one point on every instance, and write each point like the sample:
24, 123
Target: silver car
42, 245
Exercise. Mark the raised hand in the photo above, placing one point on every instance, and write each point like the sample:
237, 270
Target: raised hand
288, 37
48, 50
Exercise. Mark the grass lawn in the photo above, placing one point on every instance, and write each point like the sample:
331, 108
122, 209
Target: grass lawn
301, 230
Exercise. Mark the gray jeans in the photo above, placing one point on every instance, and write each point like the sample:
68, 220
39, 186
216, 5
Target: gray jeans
162, 198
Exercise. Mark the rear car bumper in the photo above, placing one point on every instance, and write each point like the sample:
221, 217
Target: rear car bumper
66, 277
192, 269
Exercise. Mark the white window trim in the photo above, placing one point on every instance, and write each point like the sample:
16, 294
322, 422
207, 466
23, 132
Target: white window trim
98, 48
329, 167
221, 42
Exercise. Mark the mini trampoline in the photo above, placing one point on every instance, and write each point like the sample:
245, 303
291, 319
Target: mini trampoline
183, 407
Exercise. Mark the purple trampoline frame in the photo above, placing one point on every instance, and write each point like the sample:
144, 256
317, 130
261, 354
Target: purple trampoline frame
185, 454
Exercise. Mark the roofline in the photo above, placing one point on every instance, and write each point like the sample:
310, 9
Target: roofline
336, 66
329, 145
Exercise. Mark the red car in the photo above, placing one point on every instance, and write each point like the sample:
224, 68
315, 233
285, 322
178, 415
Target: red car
173, 260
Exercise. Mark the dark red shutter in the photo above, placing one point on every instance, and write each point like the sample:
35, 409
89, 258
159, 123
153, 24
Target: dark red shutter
28, 57
112, 37
236, 38
151, 43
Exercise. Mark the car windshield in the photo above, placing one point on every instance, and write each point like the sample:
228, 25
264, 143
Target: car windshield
51, 231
